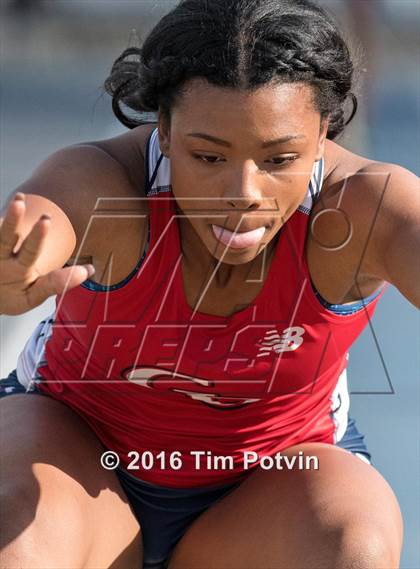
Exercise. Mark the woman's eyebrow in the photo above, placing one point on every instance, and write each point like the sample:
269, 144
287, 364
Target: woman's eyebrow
221, 142
283, 139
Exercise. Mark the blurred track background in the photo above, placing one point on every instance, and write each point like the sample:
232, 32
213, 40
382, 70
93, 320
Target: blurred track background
55, 55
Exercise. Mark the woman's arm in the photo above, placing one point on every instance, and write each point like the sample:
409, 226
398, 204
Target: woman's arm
366, 226
394, 198
65, 187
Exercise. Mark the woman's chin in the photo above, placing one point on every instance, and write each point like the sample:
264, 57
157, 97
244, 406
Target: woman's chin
232, 256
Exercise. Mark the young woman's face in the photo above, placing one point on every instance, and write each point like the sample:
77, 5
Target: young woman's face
241, 162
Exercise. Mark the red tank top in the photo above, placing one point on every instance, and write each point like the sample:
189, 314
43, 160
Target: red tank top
150, 374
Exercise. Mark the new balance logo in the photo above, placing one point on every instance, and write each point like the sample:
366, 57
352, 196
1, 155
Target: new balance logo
288, 341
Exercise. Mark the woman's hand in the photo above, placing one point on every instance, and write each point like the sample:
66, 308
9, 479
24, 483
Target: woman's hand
22, 286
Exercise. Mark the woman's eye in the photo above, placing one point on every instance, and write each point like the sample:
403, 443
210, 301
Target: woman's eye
276, 161
207, 159
282, 160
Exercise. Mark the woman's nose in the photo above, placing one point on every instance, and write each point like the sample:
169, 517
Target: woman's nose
243, 190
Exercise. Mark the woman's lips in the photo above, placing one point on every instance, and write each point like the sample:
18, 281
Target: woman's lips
238, 240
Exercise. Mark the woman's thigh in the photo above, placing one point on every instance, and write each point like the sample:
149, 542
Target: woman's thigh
343, 515
60, 508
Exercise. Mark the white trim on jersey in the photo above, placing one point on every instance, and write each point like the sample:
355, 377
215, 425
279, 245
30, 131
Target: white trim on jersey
314, 188
159, 167
32, 355
340, 404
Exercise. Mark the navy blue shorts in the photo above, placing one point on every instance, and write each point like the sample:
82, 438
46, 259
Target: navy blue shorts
164, 514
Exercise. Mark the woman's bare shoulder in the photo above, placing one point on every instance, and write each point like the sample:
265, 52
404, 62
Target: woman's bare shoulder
80, 178
377, 201
342, 164
128, 149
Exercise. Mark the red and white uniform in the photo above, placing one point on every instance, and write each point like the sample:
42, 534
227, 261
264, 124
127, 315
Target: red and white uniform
150, 374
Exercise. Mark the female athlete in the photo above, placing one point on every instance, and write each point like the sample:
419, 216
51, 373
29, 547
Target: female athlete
188, 403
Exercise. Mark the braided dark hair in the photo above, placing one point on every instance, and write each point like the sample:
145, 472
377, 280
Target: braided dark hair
241, 44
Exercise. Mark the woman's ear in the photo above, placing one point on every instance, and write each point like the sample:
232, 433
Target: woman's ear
164, 134
322, 138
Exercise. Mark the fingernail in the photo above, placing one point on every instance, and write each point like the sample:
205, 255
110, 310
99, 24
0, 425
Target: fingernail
45, 216
90, 270
19, 196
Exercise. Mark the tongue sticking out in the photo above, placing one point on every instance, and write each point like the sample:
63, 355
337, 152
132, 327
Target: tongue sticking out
238, 240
